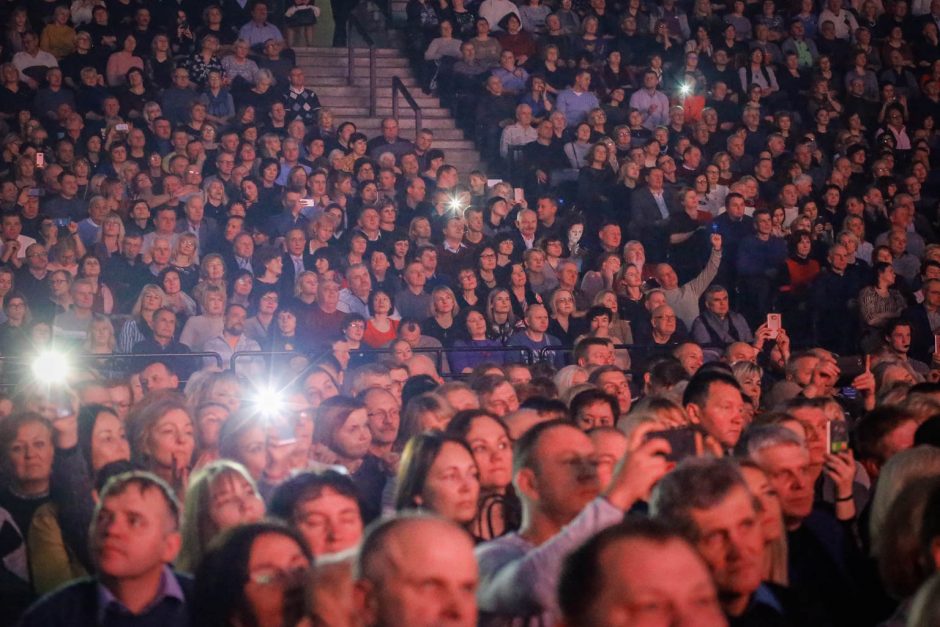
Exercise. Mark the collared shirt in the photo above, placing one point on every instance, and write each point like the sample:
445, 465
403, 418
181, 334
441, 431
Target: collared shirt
256, 35
109, 604
298, 264
350, 303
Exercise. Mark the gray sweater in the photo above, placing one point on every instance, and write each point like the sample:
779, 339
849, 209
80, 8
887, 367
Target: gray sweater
684, 299
518, 581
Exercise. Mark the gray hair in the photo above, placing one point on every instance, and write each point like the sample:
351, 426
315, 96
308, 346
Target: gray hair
696, 483
757, 438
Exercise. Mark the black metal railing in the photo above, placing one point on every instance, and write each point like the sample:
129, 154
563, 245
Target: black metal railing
398, 87
355, 24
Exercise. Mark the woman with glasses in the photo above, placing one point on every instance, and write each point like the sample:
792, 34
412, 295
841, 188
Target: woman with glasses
252, 573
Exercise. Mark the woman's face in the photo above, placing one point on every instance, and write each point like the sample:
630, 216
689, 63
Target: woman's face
501, 303
518, 277
803, 247
226, 393
243, 286
330, 523
452, 488
251, 451
771, 514
172, 440
382, 304
287, 323
492, 451
476, 325
234, 501
171, 283
276, 571
318, 387
30, 454
443, 303
209, 422
564, 303
101, 333
353, 439
583, 133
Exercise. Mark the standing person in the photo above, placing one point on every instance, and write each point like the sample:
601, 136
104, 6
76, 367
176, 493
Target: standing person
134, 540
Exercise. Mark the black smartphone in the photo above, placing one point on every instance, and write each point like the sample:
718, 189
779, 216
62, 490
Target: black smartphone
837, 436
684, 442
62, 222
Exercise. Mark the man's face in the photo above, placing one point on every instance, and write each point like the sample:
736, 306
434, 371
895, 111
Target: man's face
330, 522
610, 236
384, 416
838, 258
528, 222
359, 281
722, 413
691, 357
598, 355
133, 535
37, 258
164, 325
667, 277
11, 227
430, 579
900, 339
732, 543
83, 296
717, 303
788, 470
235, 321
566, 477
651, 584
595, 415
157, 377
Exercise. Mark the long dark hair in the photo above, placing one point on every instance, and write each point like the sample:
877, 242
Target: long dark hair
219, 593
416, 461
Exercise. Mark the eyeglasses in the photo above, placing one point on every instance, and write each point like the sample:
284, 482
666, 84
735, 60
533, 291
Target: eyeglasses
277, 576
356, 325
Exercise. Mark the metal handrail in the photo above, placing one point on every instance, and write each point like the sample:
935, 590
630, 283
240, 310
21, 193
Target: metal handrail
354, 23
399, 87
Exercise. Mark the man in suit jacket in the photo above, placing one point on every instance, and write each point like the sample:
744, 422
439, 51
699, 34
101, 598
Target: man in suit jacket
296, 258
924, 319
651, 207
196, 222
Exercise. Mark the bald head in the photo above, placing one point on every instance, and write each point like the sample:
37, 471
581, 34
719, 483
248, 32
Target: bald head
403, 555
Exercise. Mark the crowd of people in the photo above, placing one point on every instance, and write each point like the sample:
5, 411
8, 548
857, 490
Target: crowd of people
669, 358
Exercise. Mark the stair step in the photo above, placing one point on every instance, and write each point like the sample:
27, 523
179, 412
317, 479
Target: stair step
317, 82
363, 52
315, 62
360, 110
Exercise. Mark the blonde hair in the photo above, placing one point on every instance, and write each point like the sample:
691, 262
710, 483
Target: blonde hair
101, 321
149, 288
198, 528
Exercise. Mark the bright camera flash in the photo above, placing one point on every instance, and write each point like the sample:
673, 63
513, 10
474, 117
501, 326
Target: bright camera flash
51, 366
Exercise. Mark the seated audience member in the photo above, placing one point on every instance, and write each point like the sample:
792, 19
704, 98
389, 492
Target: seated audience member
606, 580
709, 500
323, 507
519, 572
398, 553
252, 573
135, 537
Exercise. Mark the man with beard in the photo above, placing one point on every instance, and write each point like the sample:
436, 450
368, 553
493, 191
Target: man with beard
555, 476
233, 340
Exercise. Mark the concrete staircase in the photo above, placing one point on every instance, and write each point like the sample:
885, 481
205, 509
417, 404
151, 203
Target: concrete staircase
325, 71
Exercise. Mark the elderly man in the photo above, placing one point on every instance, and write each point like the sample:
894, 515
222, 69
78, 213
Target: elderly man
608, 580
520, 133
710, 502
416, 571
718, 326
824, 564
355, 298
